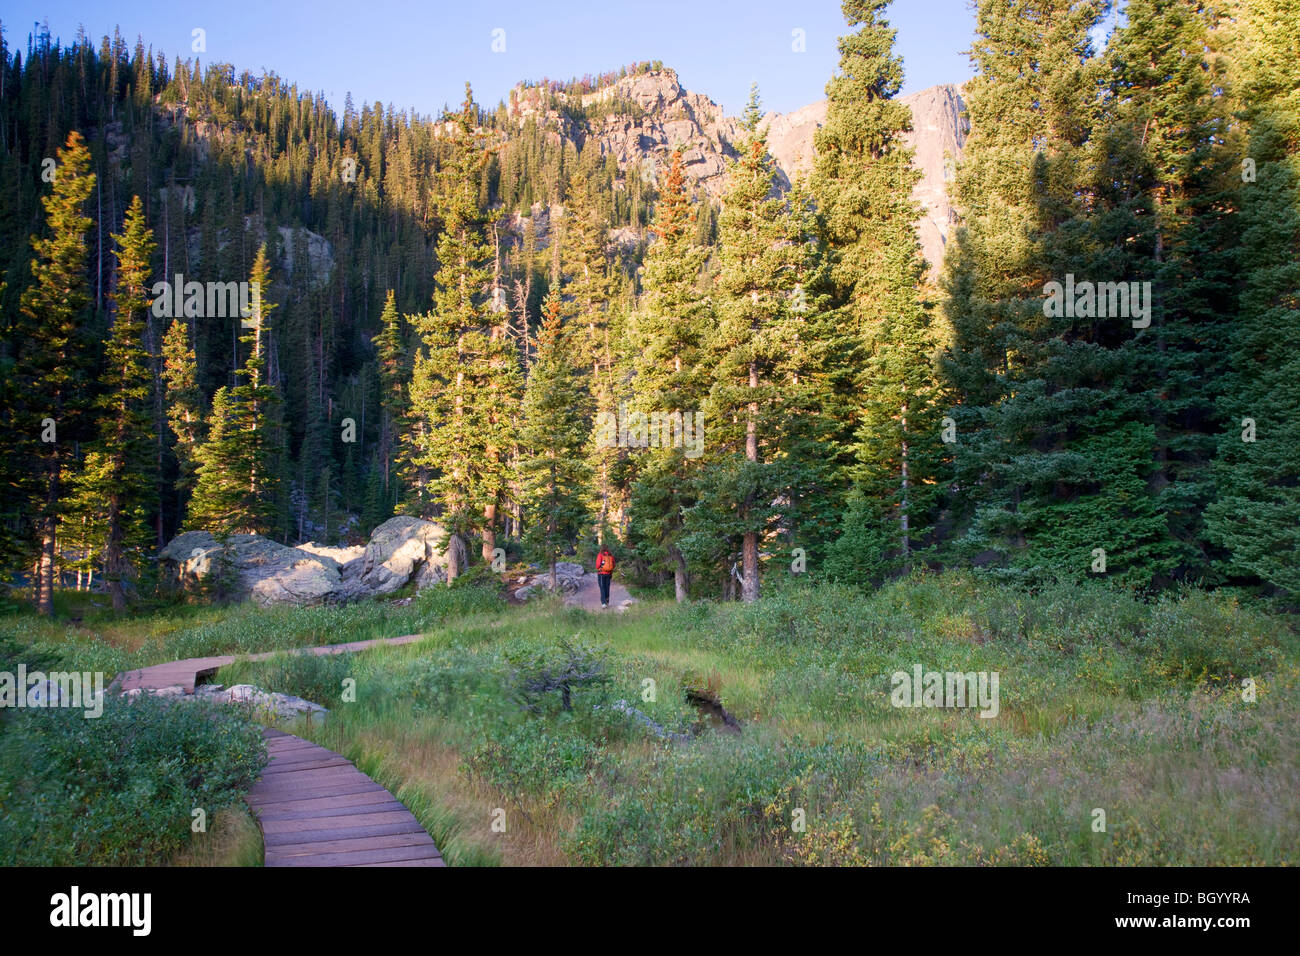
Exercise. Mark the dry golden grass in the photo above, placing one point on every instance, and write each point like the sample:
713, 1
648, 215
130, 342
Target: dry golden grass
233, 839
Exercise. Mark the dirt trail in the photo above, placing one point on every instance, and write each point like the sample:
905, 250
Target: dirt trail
588, 594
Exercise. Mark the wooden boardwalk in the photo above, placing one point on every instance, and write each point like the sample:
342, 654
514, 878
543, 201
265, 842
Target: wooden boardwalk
187, 672
314, 807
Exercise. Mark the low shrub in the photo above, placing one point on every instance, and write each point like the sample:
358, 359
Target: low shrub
120, 789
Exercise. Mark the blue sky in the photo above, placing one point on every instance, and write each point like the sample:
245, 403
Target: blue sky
420, 54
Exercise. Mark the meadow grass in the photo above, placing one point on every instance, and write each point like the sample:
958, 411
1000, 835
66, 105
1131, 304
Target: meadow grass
232, 838
1108, 703
84, 636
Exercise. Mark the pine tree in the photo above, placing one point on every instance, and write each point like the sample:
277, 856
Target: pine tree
184, 407
671, 322
582, 259
53, 365
466, 381
390, 347
239, 466
83, 526
127, 438
759, 263
554, 436
1167, 189
863, 181
1257, 515
1053, 455
220, 503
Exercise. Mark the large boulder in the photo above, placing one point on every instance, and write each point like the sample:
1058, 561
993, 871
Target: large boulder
260, 569
340, 554
400, 549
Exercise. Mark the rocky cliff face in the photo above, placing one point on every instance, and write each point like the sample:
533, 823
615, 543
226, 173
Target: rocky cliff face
938, 136
674, 116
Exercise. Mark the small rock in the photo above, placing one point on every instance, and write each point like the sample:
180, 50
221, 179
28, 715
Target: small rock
284, 706
567, 569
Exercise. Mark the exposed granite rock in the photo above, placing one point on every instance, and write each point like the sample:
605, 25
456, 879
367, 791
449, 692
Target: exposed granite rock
568, 579
674, 116
270, 706
260, 569
401, 549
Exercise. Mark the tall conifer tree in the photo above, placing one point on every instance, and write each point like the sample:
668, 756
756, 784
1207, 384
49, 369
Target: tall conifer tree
184, 402
758, 266
55, 357
863, 181
240, 465
555, 475
1257, 515
126, 483
466, 384
672, 321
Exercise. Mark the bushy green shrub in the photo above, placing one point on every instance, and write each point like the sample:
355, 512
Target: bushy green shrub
535, 757
120, 789
713, 800
1199, 636
554, 674
13, 653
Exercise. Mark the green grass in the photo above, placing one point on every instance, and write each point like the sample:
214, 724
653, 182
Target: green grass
82, 636
1106, 702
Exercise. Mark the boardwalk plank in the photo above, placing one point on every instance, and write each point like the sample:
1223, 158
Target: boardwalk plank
313, 761
314, 806
410, 830
327, 806
345, 844
289, 794
359, 819
434, 861
356, 857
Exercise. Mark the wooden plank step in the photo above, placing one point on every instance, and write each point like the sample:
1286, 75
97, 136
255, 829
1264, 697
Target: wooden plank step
288, 794
310, 762
356, 857
435, 861
359, 819
390, 842
308, 777
410, 833
327, 806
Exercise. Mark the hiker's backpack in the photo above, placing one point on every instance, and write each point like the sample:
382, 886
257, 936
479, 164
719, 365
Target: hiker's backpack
604, 564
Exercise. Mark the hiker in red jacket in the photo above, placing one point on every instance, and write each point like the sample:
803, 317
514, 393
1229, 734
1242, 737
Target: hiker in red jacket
604, 572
